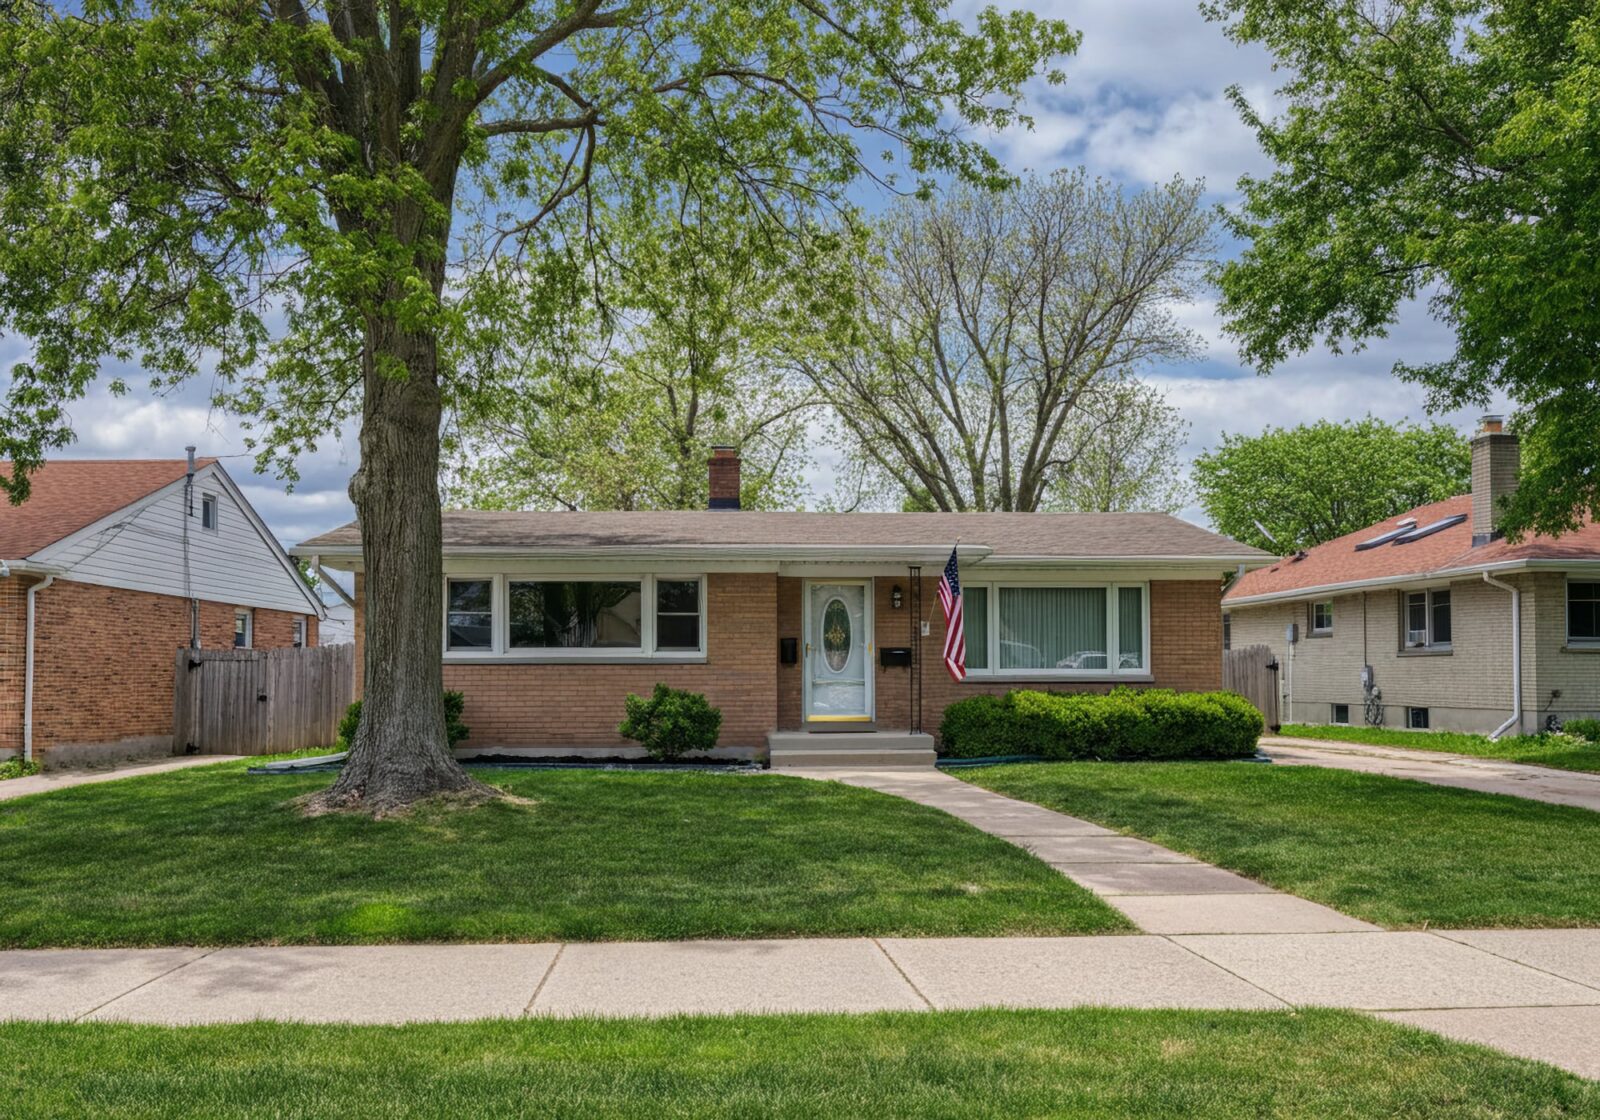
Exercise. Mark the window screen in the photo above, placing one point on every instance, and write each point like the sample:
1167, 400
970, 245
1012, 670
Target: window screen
678, 615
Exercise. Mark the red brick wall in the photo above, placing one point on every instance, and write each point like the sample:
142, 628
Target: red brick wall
581, 705
1186, 633
104, 661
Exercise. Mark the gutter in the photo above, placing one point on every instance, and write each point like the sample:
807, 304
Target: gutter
1409, 579
1516, 656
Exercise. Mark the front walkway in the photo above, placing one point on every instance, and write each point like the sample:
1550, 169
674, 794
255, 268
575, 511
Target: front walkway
1160, 890
64, 779
1441, 768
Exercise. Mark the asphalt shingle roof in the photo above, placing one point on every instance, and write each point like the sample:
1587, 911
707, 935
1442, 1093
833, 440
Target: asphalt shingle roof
1338, 562
1064, 535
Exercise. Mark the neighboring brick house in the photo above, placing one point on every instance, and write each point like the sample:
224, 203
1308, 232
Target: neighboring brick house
119, 564
803, 622
1427, 602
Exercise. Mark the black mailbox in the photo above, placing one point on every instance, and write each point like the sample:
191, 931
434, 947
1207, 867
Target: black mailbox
788, 651
890, 656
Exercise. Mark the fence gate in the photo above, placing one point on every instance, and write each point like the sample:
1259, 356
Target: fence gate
1252, 672
249, 701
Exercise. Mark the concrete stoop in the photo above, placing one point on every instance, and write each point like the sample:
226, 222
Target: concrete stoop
854, 750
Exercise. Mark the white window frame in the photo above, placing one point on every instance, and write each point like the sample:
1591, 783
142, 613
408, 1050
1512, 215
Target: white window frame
1428, 645
1566, 609
297, 632
249, 617
209, 501
1333, 715
501, 649
1314, 629
1113, 633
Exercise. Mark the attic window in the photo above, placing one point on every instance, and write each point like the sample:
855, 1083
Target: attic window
1428, 530
208, 511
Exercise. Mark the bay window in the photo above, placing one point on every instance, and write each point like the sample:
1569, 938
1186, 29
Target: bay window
1045, 630
531, 617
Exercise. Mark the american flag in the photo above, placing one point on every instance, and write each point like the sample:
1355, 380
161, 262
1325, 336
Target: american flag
955, 637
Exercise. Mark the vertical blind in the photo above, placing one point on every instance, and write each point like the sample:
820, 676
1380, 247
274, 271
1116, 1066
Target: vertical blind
1130, 627
975, 623
1052, 628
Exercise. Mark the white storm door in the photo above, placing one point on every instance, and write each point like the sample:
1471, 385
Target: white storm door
838, 660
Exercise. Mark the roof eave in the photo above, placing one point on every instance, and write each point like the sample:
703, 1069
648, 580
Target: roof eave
1536, 563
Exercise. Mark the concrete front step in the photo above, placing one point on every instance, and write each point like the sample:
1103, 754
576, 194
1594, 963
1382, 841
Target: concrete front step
851, 760
803, 750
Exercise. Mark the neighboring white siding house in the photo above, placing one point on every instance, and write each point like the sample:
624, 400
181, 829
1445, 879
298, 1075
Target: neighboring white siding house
142, 547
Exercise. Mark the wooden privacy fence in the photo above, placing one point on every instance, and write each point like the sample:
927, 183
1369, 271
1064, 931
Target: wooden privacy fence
260, 701
1252, 672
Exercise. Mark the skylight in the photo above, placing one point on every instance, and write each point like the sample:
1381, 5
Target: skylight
1384, 538
1430, 529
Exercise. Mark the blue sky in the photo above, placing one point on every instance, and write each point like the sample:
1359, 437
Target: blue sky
1144, 101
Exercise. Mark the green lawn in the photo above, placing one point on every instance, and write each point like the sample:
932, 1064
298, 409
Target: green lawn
214, 856
1087, 1063
1396, 852
1537, 750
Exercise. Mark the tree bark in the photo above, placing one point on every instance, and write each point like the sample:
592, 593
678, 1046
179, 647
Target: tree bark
400, 752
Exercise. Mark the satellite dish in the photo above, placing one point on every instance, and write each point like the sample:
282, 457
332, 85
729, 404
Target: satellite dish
1262, 529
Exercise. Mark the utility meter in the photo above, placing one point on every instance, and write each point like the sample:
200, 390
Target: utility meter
1291, 633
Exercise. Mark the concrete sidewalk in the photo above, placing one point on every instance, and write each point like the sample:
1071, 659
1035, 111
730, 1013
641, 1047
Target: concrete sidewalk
1534, 993
66, 779
1441, 768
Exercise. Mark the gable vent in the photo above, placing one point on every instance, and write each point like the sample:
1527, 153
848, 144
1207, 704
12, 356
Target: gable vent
1430, 529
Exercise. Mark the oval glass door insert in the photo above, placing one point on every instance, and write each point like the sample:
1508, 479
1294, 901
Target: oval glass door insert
836, 635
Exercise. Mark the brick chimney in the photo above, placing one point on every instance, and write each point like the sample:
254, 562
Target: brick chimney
1496, 462
724, 464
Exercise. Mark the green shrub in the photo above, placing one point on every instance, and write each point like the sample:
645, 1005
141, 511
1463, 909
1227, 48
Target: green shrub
1583, 728
1121, 725
671, 723
16, 768
977, 727
454, 729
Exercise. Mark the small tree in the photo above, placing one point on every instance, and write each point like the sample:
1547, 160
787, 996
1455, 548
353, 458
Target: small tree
1319, 481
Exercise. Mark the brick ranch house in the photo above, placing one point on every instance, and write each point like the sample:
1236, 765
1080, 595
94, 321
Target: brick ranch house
106, 571
811, 631
1461, 629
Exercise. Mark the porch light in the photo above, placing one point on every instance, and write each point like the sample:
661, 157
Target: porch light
897, 598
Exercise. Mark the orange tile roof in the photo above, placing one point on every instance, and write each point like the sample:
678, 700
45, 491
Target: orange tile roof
1337, 562
71, 493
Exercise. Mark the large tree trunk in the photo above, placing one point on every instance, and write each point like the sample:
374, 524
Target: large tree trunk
400, 753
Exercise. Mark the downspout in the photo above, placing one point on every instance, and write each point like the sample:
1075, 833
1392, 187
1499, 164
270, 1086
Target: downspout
27, 685
1516, 656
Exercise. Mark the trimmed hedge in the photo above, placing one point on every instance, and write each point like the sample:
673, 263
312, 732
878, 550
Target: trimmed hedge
1123, 725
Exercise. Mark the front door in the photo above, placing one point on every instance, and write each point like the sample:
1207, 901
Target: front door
838, 659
